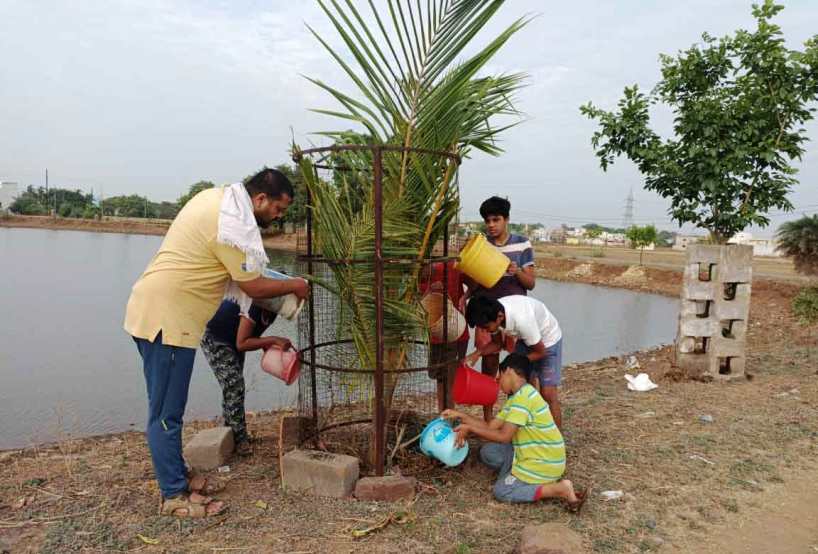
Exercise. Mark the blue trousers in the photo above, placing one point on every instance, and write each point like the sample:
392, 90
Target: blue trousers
508, 488
167, 372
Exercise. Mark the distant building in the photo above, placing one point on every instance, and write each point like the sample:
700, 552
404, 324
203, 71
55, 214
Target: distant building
557, 235
761, 247
613, 238
8, 194
540, 235
681, 242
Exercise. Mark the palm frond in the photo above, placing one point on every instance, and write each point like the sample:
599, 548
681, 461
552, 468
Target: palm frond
412, 87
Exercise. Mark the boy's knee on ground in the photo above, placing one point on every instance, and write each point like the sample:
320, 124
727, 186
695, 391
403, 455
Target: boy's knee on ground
503, 491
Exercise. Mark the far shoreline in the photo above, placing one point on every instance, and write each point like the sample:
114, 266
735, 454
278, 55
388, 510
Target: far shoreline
127, 226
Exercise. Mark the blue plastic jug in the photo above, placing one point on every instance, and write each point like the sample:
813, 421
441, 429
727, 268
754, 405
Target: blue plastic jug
437, 441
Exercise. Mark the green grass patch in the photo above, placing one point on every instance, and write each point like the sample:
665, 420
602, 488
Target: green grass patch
805, 305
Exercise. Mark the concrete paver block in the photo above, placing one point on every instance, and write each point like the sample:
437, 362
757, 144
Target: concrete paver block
388, 488
319, 473
293, 431
209, 448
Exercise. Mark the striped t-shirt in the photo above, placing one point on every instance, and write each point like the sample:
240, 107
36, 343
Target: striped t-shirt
518, 249
539, 451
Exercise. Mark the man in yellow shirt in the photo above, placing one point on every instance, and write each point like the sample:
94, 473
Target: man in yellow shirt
170, 306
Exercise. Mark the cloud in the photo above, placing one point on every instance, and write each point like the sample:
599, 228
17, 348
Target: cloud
149, 96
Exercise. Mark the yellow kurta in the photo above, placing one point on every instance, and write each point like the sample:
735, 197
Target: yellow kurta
185, 281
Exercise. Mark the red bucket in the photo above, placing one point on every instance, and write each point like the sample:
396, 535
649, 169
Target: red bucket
472, 387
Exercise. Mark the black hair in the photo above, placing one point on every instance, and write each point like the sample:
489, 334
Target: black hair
518, 363
495, 206
482, 310
271, 182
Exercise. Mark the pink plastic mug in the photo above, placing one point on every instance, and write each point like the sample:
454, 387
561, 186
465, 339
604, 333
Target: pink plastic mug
283, 364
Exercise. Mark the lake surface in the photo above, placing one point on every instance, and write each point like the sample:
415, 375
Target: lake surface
67, 368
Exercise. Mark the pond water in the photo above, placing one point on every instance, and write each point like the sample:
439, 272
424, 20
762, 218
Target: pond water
68, 369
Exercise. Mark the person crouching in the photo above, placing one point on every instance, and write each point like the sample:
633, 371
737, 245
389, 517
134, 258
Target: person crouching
526, 447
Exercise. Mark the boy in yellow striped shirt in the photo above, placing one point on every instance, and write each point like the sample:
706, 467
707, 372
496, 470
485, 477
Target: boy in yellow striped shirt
526, 446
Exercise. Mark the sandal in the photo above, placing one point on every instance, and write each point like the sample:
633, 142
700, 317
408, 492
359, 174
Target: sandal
182, 506
576, 507
205, 486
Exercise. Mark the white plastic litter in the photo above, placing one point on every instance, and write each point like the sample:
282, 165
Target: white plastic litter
632, 363
224, 469
640, 383
611, 495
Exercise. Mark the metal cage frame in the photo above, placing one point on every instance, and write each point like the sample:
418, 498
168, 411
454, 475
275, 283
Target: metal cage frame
308, 353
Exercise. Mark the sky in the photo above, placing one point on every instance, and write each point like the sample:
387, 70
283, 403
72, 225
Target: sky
150, 96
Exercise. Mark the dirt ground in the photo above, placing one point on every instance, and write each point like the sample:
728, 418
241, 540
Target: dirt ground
781, 269
689, 484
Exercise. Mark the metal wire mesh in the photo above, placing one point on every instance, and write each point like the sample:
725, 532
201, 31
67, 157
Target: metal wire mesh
341, 385
344, 391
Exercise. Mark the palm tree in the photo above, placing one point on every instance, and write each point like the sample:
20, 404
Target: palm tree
799, 240
413, 89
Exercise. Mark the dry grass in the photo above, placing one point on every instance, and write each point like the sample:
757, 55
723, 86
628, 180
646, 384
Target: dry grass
663, 258
680, 476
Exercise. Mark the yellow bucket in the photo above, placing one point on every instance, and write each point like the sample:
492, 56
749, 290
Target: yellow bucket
482, 261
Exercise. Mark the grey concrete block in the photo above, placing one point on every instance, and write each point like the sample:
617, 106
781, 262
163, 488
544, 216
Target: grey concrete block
728, 307
703, 254
738, 307
389, 488
209, 448
698, 327
699, 290
319, 473
686, 345
737, 264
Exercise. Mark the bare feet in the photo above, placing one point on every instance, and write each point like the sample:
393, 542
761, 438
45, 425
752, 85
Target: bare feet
565, 490
575, 506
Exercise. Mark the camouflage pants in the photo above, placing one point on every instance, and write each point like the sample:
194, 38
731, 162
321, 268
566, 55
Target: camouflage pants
228, 366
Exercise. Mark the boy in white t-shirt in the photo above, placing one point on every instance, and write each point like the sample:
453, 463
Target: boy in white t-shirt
539, 339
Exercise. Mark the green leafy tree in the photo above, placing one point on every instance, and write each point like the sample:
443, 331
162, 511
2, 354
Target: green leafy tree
739, 104
593, 233
129, 206
665, 239
194, 189
641, 238
166, 210
297, 212
29, 203
38, 201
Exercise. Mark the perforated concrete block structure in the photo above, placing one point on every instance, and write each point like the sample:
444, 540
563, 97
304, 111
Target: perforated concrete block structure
714, 310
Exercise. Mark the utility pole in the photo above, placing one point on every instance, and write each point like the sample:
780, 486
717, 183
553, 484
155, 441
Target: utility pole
627, 217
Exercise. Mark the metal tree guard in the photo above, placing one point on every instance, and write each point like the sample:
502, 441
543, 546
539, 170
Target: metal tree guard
308, 353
